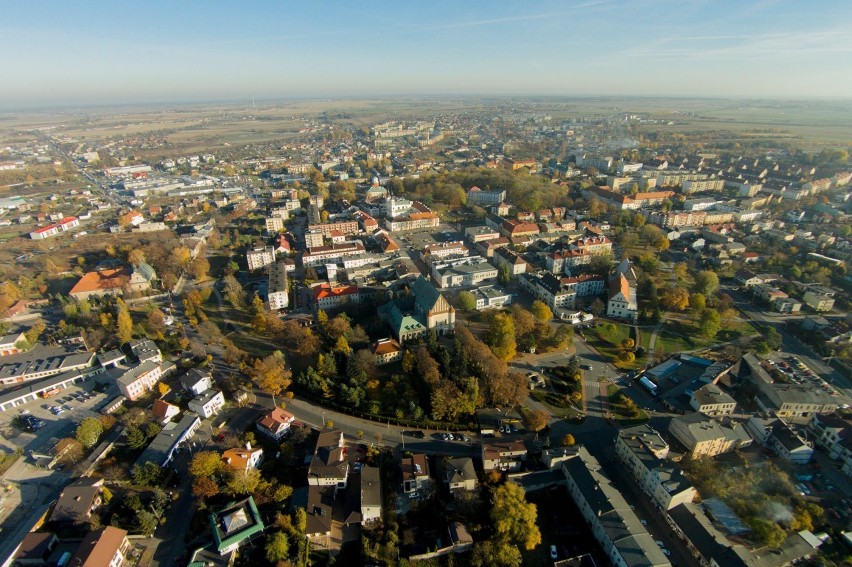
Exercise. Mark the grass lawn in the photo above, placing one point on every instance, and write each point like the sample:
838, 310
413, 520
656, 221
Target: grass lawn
608, 342
678, 336
556, 405
620, 411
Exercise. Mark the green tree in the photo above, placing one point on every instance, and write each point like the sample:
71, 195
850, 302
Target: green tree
243, 482
706, 283
697, 302
503, 275
146, 522
467, 301
89, 432
513, 517
277, 548
541, 311
135, 438
148, 474
710, 323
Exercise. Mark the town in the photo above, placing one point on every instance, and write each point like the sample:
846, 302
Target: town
482, 333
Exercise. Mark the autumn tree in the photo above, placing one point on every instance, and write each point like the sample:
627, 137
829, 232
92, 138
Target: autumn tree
234, 292
697, 302
568, 440
155, 322
89, 432
495, 553
69, 451
199, 268
204, 488
706, 283
271, 373
537, 420
514, 518
124, 323
501, 336
467, 301
206, 464
541, 311
277, 548
675, 299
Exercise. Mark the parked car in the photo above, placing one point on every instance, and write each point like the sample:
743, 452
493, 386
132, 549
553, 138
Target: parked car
553, 553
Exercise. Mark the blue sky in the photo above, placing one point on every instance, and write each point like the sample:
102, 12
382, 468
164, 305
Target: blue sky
65, 52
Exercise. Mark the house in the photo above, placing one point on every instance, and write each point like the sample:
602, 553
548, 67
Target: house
329, 465
506, 456
208, 403
467, 271
243, 459
236, 524
415, 473
78, 501
834, 434
276, 423
319, 508
260, 257
819, 299
164, 411
703, 436
328, 297
196, 381
162, 449
776, 434
146, 351
711, 400
100, 283
35, 549
491, 297
9, 343
482, 198
459, 474
107, 547
622, 303
424, 309
142, 278
514, 264
371, 495
643, 452
139, 380
386, 351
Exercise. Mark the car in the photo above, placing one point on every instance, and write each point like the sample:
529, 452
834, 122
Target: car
586, 366
445, 436
25, 412
553, 553
659, 544
461, 437
643, 522
666, 552
415, 434
451, 437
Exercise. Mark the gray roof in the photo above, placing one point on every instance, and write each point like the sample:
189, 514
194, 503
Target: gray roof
133, 374
160, 449
371, 487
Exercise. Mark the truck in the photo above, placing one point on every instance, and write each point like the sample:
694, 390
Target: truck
648, 385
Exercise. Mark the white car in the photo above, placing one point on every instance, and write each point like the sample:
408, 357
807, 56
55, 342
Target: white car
553, 553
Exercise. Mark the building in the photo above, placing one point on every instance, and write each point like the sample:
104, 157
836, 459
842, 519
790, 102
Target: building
35, 549
145, 350
514, 263
371, 495
562, 261
139, 380
386, 351
622, 302
436, 252
476, 234
703, 436
196, 381
676, 219
819, 299
480, 198
423, 310
711, 400
775, 434
78, 501
643, 452
459, 474
243, 459
163, 411
347, 227
274, 224
614, 525
9, 343
415, 473
276, 423
834, 434
208, 403
328, 297
329, 466
260, 257
413, 221
332, 254
101, 283
277, 290
463, 272
514, 228
236, 524
107, 547
161, 450
42, 362
506, 456
548, 289
142, 278
491, 297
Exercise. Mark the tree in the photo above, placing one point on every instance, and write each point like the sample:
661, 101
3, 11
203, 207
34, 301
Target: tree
568, 441
675, 299
503, 275
710, 323
69, 451
146, 522
206, 464
495, 553
155, 323
234, 292
199, 268
277, 548
537, 420
628, 344
626, 357
706, 283
124, 323
467, 301
136, 257
272, 374
243, 482
205, 487
697, 302
541, 311
89, 432
501, 336
136, 439
148, 474
514, 518
597, 307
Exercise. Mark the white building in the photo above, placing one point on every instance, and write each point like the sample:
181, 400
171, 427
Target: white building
260, 257
208, 403
277, 289
622, 302
491, 297
137, 381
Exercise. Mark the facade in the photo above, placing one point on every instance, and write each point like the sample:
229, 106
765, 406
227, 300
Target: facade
333, 254
346, 227
506, 456
643, 452
438, 252
476, 234
208, 403
275, 223
711, 400
276, 423
513, 262
386, 351
277, 289
622, 302
327, 297
777, 435
563, 260
705, 437
463, 272
260, 258
138, 381
196, 381
819, 301
548, 289
481, 198
834, 434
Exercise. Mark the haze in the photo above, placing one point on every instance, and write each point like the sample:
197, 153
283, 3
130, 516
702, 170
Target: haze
121, 52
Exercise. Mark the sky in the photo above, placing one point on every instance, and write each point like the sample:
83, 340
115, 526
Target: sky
117, 52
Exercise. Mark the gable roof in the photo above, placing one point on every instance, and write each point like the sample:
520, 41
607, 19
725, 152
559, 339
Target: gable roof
102, 280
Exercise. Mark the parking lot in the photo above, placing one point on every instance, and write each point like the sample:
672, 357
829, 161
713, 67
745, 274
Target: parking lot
58, 424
